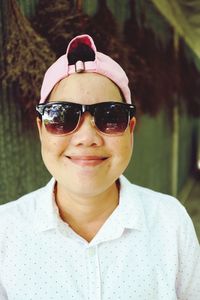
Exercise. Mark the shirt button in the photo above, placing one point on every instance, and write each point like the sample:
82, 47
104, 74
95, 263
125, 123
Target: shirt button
91, 252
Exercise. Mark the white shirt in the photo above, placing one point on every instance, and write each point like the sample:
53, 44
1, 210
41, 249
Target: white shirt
146, 250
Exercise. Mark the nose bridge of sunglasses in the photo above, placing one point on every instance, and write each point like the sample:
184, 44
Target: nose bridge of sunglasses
86, 117
88, 108
88, 114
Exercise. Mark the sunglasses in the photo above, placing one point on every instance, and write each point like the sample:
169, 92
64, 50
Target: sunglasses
63, 118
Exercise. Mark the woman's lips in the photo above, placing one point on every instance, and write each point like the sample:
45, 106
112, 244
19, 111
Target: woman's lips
87, 160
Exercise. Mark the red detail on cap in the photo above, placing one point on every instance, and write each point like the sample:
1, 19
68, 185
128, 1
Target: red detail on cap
78, 41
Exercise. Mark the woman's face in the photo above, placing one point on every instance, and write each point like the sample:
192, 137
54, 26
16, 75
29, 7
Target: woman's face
86, 162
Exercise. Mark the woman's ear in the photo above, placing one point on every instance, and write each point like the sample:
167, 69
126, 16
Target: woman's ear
132, 124
39, 126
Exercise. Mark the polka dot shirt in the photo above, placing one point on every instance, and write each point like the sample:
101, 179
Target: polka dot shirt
146, 250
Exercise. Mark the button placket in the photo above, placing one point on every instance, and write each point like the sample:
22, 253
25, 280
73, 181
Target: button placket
93, 273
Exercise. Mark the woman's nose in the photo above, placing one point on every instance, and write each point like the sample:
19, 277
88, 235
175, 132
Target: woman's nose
87, 134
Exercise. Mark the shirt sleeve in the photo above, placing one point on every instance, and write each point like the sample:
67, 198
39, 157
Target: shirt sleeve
188, 278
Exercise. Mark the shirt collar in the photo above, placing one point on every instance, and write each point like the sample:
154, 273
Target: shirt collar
46, 215
130, 209
128, 214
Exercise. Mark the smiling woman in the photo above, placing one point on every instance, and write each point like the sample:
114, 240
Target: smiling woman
90, 233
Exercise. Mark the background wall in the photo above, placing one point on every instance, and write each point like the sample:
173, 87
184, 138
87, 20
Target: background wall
21, 168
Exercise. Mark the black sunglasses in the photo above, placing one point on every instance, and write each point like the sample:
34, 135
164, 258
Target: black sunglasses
63, 118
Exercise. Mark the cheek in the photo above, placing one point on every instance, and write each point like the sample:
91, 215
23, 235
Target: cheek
52, 145
122, 147
126, 152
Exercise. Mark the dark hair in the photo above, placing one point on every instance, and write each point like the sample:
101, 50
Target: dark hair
82, 52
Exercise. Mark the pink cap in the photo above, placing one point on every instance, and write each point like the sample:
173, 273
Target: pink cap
102, 64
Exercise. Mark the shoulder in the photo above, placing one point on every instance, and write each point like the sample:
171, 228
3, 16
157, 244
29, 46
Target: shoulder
151, 197
20, 210
165, 218
20, 201
146, 194
156, 205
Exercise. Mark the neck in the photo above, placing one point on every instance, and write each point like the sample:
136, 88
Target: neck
86, 215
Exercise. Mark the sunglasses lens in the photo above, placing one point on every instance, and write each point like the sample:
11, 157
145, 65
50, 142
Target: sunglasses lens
111, 118
59, 119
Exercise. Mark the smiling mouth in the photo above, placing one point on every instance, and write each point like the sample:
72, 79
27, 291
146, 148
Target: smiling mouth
87, 160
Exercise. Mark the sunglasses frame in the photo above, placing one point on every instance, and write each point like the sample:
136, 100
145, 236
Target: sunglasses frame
130, 108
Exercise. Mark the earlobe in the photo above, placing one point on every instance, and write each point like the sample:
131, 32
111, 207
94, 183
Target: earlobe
132, 124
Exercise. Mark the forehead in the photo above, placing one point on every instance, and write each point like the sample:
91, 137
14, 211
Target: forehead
91, 86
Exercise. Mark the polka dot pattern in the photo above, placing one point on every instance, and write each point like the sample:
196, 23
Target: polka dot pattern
146, 250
